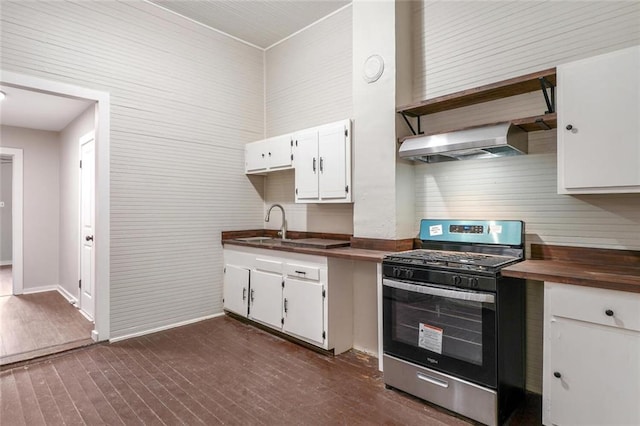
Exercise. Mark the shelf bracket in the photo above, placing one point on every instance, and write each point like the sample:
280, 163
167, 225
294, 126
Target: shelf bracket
406, 120
541, 123
551, 103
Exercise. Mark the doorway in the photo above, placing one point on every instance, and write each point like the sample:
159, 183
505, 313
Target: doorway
11, 204
95, 302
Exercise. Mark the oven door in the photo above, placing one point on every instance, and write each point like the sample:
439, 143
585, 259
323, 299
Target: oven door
446, 329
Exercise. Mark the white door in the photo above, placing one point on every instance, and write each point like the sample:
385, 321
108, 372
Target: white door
87, 219
304, 309
600, 128
254, 156
279, 152
265, 303
235, 289
594, 377
333, 161
306, 165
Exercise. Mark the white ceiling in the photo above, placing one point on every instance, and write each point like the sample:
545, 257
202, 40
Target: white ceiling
259, 22
35, 110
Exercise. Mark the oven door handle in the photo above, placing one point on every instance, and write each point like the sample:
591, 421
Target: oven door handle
437, 291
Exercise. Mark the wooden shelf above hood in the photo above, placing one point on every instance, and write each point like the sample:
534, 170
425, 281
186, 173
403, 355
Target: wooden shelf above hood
502, 89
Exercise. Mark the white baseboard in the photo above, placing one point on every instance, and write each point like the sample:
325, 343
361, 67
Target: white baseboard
6, 262
71, 298
164, 327
40, 289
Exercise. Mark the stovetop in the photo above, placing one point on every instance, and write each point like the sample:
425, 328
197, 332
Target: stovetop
452, 259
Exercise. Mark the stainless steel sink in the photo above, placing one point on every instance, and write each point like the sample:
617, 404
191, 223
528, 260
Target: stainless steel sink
263, 240
254, 239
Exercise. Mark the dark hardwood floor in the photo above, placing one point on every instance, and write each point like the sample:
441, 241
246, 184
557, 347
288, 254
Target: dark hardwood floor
33, 325
212, 372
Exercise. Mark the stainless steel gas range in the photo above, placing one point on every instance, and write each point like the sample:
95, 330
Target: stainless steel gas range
453, 327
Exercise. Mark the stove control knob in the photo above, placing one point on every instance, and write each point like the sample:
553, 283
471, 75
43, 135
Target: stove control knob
457, 280
409, 273
396, 272
473, 282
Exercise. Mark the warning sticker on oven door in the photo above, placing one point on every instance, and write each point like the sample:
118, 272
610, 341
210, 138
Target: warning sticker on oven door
430, 338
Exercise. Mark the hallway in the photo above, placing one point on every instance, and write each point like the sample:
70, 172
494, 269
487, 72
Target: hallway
33, 325
6, 280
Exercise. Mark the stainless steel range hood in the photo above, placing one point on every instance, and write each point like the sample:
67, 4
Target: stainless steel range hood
497, 140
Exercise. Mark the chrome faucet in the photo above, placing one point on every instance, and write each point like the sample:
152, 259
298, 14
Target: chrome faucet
283, 229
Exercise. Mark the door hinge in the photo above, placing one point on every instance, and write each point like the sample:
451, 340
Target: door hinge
324, 293
346, 132
224, 270
80, 163
296, 142
296, 191
291, 142
346, 188
282, 321
291, 157
282, 283
79, 283
324, 335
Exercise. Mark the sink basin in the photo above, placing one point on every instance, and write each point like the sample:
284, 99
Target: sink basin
263, 240
254, 239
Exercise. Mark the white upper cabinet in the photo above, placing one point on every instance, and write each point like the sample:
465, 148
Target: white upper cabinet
269, 155
306, 155
599, 124
323, 164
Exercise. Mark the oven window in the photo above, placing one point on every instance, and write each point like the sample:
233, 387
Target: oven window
450, 327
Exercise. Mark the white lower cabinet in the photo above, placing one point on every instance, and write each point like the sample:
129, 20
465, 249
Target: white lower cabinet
591, 366
308, 297
236, 289
304, 309
265, 298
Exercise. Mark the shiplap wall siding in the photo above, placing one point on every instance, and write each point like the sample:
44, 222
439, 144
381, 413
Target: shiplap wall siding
184, 101
465, 44
460, 45
308, 83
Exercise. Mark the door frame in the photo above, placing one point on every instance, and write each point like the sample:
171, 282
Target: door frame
84, 139
102, 183
17, 178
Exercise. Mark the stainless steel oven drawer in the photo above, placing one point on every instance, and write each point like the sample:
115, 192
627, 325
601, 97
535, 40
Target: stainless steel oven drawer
457, 395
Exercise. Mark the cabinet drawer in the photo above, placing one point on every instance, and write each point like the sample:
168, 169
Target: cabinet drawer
607, 307
302, 271
268, 265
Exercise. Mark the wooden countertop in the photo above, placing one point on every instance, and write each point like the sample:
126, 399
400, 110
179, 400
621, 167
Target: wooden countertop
601, 268
339, 252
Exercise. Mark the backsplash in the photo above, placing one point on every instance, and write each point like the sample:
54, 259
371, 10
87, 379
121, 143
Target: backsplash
280, 188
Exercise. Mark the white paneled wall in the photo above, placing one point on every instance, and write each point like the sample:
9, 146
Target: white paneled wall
184, 101
308, 83
459, 45
464, 44
331, 218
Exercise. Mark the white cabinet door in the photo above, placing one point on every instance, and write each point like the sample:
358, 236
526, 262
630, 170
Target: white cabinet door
304, 309
333, 161
266, 298
279, 151
599, 369
306, 165
236, 289
599, 124
254, 157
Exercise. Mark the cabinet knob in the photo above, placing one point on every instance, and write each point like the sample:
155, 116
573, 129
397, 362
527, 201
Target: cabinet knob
569, 127
262, 155
557, 374
269, 154
608, 313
